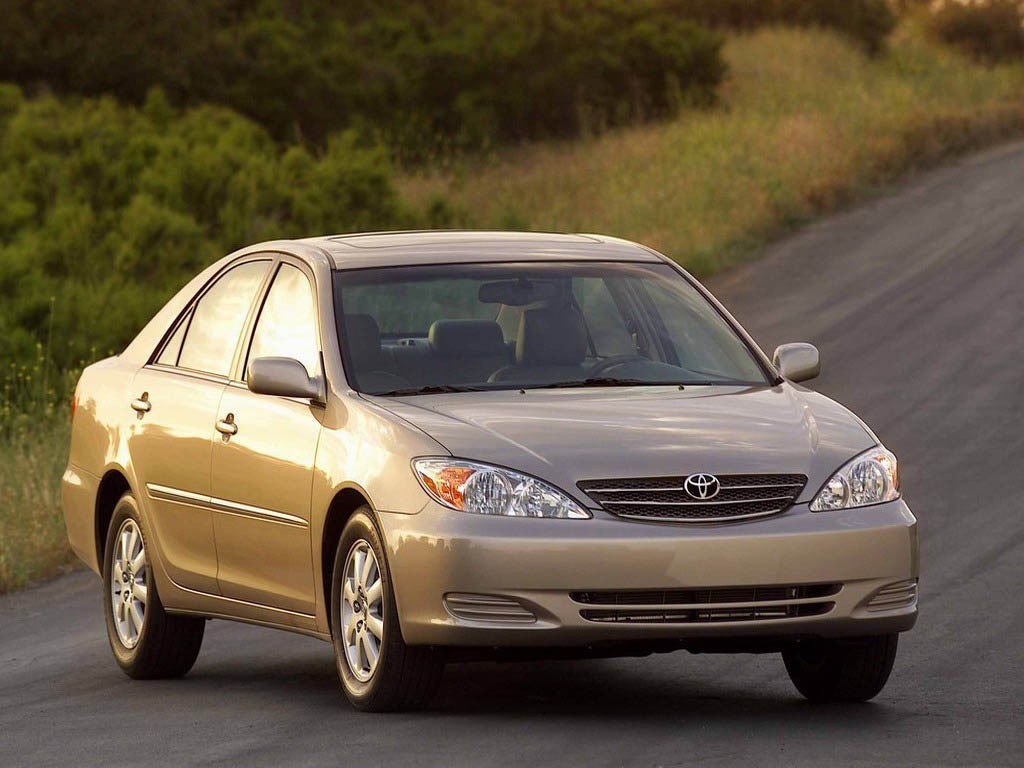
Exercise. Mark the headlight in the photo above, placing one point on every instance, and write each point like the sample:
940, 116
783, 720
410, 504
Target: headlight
486, 490
871, 478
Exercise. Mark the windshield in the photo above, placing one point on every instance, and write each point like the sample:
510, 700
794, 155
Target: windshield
464, 327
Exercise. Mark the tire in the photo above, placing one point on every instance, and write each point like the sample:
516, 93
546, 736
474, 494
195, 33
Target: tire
841, 670
401, 676
164, 645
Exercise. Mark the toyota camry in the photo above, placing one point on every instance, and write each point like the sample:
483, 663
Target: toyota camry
434, 447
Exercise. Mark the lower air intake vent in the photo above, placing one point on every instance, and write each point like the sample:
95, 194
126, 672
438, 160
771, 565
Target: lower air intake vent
715, 604
706, 596
493, 608
708, 615
900, 594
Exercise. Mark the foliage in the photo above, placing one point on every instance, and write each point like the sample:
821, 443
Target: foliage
868, 22
468, 73
106, 210
430, 78
426, 75
33, 450
33, 541
989, 30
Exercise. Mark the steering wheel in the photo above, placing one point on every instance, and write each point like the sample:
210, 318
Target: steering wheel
613, 361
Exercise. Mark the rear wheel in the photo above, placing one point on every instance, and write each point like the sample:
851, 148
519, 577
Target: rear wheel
841, 670
378, 671
147, 641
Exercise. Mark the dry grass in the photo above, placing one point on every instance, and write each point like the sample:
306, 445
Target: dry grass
33, 542
807, 122
33, 451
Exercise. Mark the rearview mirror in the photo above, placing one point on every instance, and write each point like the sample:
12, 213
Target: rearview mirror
517, 293
282, 376
797, 362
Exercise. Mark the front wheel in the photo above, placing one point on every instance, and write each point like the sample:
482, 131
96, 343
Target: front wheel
841, 670
378, 671
147, 641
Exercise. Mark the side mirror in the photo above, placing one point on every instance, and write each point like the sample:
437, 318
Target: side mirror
797, 362
282, 376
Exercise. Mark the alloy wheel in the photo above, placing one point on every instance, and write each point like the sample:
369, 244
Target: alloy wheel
128, 584
362, 611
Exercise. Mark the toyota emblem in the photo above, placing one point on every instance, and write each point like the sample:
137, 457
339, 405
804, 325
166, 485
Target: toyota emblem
702, 486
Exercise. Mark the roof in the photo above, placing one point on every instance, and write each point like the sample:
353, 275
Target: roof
378, 249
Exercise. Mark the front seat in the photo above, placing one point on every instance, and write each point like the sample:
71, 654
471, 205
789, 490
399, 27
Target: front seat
366, 356
468, 351
550, 347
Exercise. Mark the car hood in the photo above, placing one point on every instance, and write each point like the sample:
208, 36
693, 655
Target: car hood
568, 435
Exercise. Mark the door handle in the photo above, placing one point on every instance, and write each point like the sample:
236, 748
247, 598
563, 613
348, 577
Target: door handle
142, 405
227, 426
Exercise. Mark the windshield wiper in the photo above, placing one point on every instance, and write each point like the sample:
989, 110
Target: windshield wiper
431, 390
608, 381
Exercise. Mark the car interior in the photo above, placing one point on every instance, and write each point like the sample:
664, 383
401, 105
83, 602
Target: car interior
519, 332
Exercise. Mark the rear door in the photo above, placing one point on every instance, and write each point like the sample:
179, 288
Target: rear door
263, 465
175, 399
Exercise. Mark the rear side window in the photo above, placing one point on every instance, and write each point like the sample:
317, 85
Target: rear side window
287, 323
217, 320
173, 347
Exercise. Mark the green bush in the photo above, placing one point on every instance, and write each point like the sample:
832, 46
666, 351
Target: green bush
424, 75
427, 76
869, 22
465, 74
106, 210
989, 30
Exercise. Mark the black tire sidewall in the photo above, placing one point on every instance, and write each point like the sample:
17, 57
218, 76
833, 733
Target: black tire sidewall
362, 527
842, 670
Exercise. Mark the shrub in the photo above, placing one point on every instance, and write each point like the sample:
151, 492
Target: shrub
869, 22
989, 30
469, 73
105, 210
425, 75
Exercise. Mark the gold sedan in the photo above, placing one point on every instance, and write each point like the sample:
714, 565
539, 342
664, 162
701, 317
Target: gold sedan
435, 446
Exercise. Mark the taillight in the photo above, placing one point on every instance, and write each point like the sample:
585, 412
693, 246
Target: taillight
74, 404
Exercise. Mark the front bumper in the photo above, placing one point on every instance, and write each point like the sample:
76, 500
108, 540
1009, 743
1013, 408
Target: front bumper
442, 561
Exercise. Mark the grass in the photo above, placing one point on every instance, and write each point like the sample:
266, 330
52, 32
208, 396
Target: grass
33, 451
806, 123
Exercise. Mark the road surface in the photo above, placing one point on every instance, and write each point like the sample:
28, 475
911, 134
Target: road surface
916, 301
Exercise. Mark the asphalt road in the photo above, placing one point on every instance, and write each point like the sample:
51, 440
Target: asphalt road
916, 301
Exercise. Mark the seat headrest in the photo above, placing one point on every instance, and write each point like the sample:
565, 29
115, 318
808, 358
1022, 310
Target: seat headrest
466, 338
363, 335
551, 336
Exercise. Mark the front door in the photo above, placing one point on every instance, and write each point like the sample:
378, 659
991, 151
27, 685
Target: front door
263, 462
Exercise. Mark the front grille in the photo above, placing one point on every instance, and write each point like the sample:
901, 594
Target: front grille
701, 606
666, 498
